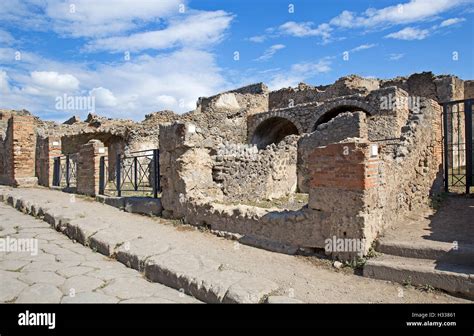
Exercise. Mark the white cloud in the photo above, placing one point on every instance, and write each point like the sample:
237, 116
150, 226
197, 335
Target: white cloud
268, 53
299, 72
344, 20
409, 34
166, 101
123, 90
363, 47
85, 18
24, 13
200, 29
395, 57
305, 29
6, 38
413, 11
103, 97
257, 38
404, 13
4, 85
51, 82
452, 21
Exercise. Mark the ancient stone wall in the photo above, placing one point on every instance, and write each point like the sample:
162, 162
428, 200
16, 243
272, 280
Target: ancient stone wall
439, 88
190, 194
303, 93
412, 167
392, 106
469, 89
245, 173
225, 115
307, 117
185, 168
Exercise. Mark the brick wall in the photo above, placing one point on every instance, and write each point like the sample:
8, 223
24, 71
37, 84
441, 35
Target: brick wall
345, 125
19, 152
46, 150
88, 167
347, 166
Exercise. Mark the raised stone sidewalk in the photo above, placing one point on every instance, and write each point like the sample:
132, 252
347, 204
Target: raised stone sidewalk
60, 271
207, 267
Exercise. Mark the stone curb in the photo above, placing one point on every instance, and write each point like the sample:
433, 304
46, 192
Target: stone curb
197, 276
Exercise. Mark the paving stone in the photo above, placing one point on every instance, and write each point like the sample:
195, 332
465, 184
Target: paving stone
51, 236
130, 288
114, 273
107, 241
134, 253
282, 299
52, 248
89, 297
52, 266
149, 299
42, 277
74, 270
174, 295
10, 287
13, 265
250, 290
40, 293
81, 283
70, 258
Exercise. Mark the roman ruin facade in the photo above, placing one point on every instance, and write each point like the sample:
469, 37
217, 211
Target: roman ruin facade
356, 155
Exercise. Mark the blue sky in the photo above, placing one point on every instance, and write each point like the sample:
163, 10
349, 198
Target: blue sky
141, 56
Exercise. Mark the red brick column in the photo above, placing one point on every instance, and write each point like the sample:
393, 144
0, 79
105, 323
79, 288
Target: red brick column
344, 185
48, 149
20, 151
88, 167
345, 166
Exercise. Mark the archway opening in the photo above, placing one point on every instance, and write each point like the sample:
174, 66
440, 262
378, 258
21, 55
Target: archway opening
331, 114
273, 130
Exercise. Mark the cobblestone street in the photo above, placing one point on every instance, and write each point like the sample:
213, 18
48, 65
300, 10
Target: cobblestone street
67, 272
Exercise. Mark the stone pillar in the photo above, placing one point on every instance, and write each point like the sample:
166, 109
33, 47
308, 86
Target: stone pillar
185, 168
88, 167
54, 150
20, 150
344, 183
48, 149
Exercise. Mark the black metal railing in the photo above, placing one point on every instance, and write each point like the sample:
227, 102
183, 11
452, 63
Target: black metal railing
458, 145
65, 171
135, 173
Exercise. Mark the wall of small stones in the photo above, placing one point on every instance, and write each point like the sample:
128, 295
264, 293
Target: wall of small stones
412, 167
243, 172
224, 116
306, 117
439, 88
469, 89
355, 192
305, 93
190, 194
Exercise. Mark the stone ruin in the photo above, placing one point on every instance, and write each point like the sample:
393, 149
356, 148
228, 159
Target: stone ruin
360, 153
